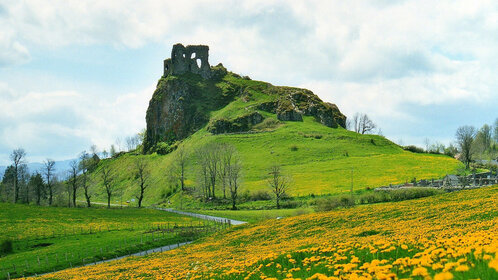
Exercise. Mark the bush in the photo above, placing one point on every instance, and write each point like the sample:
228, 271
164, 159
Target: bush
290, 204
162, 148
414, 149
294, 148
260, 195
6, 247
268, 123
331, 203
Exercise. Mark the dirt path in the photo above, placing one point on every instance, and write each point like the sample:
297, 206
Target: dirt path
205, 217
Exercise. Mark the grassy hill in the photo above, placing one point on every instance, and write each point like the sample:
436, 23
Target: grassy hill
448, 236
320, 159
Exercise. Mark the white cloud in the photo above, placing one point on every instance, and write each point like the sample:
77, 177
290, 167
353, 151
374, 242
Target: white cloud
60, 124
376, 57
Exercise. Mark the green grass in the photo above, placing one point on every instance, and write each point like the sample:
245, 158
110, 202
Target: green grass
49, 238
318, 166
320, 160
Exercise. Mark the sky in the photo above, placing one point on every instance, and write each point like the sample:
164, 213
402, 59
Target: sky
77, 73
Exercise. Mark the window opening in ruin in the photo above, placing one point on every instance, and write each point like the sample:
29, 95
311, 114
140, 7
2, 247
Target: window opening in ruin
198, 61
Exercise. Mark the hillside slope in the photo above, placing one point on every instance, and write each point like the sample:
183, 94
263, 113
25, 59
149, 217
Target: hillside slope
312, 146
450, 236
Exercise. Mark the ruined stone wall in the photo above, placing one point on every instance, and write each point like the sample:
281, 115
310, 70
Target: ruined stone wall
194, 59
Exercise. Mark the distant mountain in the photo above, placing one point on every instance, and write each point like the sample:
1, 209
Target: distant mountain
60, 167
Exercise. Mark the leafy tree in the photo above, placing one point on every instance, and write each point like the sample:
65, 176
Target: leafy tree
18, 158
8, 183
49, 176
495, 131
278, 183
465, 138
483, 139
142, 173
38, 187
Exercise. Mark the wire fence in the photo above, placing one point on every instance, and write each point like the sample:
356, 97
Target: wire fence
149, 238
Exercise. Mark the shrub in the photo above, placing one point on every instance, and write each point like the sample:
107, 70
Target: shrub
414, 149
6, 247
294, 148
260, 195
162, 148
331, 203
290, 204
268, 123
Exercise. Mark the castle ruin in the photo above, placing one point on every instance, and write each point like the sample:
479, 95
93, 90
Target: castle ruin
192, 59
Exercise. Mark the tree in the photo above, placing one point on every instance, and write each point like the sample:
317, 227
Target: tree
113, 150
227, 152
94, 150
18, 159
495, 129
208, 156
86, 163
8, 183
73, 178
234, 174
36, 182
181, 161
49, 173
465, 137
23, 182
427, 144
143, 174
278, 183
483, 139
108, 181
362, 123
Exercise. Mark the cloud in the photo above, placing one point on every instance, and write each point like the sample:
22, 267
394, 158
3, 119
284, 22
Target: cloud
60, 124
378, 57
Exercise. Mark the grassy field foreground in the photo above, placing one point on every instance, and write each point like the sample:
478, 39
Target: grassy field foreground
449, 236
48, 238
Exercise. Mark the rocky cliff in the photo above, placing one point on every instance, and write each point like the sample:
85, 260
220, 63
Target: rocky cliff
189, 97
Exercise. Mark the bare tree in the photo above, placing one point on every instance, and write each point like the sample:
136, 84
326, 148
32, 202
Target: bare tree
94, 150
365, 124
209, 159
84, 165
73, 179
203, 162
49, 174
234, 174
18, 159
180, 162
227, 152
361, 123
143, 174
278, 183
427, 144
108, 181
465, 137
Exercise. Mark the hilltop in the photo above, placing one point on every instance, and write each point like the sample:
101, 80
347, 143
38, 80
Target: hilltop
195, 104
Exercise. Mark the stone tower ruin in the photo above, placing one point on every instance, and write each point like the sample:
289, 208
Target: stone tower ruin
192, 59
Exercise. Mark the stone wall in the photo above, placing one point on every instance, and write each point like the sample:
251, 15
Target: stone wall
194, 59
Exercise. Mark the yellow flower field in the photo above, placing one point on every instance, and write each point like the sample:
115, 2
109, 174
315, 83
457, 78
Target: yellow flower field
450, 236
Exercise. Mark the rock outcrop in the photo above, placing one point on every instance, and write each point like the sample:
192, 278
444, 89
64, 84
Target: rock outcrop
190, 90
239, 124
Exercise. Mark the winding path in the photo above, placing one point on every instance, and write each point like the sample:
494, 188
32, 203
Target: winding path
204, 217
